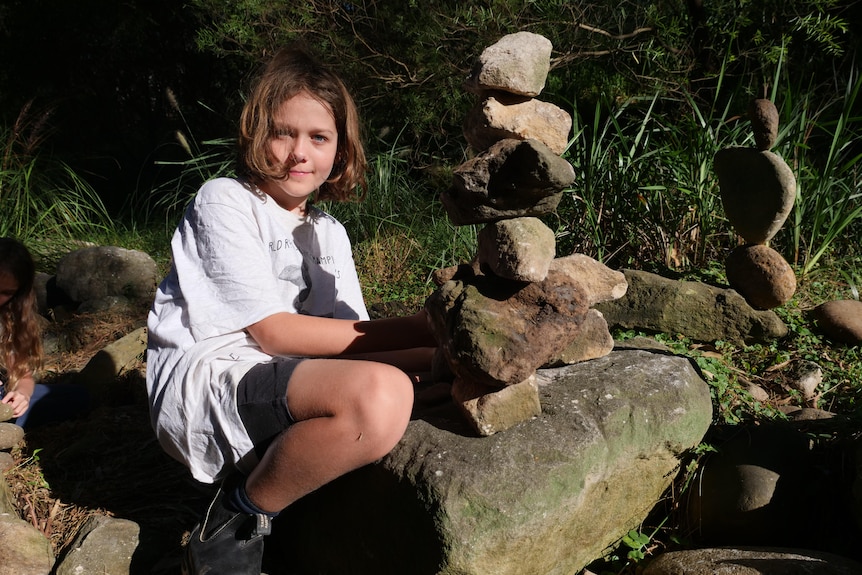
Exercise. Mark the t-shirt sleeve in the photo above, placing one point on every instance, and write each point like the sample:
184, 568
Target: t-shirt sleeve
223, 270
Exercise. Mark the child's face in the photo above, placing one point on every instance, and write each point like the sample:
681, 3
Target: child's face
306, 142
8, 288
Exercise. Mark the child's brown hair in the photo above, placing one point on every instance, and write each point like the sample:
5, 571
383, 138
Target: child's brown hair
20, 337
289, 72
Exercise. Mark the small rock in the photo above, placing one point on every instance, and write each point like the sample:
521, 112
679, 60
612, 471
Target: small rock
805, 377
594, 340
25, 550
761, 275
7, 462
5, 412
517, 249
10, 435
103, 545
513, 178
600, 283
517, 63
751, 561
764, 122
841, 320
494, 120
492, 410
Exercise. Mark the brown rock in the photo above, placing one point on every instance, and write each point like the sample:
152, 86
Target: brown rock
517, 249
600, 282
594, 340
498, 332
513, 178
491, 410
757, 191
761, 276
841, 320
493, 120
517, 63
764, 122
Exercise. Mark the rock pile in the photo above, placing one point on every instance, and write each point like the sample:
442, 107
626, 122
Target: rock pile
516, 307
758, 190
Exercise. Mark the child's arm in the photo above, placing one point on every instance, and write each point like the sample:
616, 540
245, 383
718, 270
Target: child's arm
19, 398
294, 334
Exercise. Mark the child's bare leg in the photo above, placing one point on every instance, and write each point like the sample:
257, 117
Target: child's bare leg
348, 414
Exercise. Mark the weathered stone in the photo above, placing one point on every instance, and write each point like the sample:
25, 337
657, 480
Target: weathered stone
748, 491
600, 283
513, 178
24, 549
7, 462
103, 545
805, 377
751, 561
757, 190
497, 119
517, 63
545, 497
6, 412
10, 435
498, 332
103, 369
97, 272
764, 122
841, 320
6, 504
491, 410
760, 275
697, 310
594, 340
518, 249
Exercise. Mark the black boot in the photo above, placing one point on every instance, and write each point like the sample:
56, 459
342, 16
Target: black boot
226, 542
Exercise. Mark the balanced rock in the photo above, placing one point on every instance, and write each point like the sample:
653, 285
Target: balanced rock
517, 63
545, 497
513, 178
498, 119
99, 272
751, 561
600, 282
517, 249
697, 310
764, 122
491, 410
757, 191
761, 275
498, 332
841, 320
594, 340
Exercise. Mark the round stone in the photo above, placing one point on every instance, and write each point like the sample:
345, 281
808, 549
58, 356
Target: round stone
760, 275
758, 189
764, 122
841, 320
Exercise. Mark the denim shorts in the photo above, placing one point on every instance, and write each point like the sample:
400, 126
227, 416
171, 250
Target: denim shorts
261, 400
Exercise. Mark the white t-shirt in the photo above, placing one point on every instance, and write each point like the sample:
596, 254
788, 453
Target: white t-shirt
238, 257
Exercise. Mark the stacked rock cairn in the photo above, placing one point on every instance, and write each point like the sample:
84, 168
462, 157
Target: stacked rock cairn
758, 190
516, 307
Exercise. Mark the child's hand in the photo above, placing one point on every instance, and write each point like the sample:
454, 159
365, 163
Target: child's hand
18, 401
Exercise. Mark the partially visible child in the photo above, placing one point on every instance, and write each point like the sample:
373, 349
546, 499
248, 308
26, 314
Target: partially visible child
32, 403
262, 366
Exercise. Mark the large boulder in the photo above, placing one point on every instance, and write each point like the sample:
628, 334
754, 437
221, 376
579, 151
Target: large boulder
697, 310
544, 497
23, 548
90, 275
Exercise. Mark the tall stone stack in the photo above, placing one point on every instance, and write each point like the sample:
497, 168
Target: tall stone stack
757, 190
515, 308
